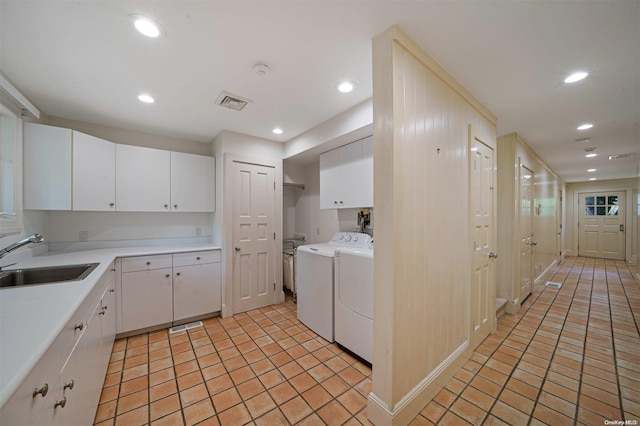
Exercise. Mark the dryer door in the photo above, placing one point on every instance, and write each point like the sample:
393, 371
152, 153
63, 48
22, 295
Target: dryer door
354, 281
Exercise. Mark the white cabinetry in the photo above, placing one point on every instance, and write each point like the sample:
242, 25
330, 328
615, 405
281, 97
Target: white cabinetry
94, 173
195, 291
147, 293
161, 289
65, 385
346, 176
68, 170
193, 182
143, 177
47, 167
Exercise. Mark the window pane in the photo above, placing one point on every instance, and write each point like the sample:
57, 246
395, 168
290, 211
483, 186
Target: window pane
589, 201
588, 211
601, 211
602, 201
613, 211
613, 200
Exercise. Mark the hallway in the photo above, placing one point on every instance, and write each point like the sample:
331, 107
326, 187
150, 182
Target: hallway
570, 356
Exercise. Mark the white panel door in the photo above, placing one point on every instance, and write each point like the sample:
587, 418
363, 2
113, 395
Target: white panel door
350, 176
94, 173
330, 179
47, 167
193, 183
601, 225
527, 243
482, 175
143, 179
253, 236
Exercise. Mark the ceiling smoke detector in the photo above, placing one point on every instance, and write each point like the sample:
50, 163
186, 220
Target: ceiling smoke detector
230, 101
261, 69
618, 156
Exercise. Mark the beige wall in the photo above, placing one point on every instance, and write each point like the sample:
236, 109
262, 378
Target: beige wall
422, 285
513, 152
629, 186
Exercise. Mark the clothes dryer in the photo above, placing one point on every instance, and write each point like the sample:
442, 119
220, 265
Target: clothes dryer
314, 280
354, 299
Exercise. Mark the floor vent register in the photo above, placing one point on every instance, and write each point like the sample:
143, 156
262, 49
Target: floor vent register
185, 327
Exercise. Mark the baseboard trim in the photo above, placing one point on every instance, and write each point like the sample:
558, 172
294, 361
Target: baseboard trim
539, 280
417, 398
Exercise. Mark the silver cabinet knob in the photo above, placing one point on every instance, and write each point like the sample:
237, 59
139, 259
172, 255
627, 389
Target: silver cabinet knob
60, 403
166, 206
237, 248
112, 204
175, 206
42, 391
79, 326
68, 385
493, 255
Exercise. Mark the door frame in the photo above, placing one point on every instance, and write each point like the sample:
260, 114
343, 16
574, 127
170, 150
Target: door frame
475, 135
227, 227
628, 210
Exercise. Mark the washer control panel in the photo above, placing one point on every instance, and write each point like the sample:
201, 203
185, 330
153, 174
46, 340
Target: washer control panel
351, 239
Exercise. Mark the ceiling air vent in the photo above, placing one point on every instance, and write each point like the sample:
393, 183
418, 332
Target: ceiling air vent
230, 101
618, 156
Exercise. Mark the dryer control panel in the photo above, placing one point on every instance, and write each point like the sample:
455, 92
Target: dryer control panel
351, 239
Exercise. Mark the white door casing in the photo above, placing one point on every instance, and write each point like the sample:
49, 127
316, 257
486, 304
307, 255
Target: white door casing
527, 242
601, 225
254, 236
482, 203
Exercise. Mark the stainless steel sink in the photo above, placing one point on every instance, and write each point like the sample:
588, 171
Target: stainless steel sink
50, 274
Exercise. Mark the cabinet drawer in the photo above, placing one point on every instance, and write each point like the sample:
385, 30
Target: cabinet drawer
146, 263
196, 258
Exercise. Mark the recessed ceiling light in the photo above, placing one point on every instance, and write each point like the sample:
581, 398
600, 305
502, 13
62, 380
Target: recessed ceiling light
591, 154
585, 126
593, 178
277, 130
591, 170
147, 99
346, 86
146, 26
576, 76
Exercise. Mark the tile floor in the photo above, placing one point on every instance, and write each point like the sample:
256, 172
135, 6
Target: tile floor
570, 356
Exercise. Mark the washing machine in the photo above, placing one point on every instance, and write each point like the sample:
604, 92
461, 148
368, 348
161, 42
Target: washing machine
354, 299
314, 281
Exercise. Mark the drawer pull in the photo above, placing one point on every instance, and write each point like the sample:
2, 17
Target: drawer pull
79, 326
148, 263
68, 385
60, 403
42, 391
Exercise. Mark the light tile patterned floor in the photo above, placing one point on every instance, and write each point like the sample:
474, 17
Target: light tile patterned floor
570, 356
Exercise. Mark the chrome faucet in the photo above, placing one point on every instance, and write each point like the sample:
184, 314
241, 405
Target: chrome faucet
35, 238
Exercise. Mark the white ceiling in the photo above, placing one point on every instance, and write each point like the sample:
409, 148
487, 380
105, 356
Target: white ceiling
83, 60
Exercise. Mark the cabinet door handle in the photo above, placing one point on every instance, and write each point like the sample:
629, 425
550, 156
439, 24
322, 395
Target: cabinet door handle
112, 291
68, 385
148, 263
42, 391
178, 273
168, 275
175, 206
166, 206
60, 403
198, 258
112, 204
79, 326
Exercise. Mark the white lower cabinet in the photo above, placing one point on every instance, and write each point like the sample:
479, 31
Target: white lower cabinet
185, 285
65, 385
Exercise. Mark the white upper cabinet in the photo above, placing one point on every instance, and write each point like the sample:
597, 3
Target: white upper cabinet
47, 167
192, 182
143, 178
68, 170
346, 176
94, 173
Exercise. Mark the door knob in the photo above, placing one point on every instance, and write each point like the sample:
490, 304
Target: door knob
493, 255
237, 248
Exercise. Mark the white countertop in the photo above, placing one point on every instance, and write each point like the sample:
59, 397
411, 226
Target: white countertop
31, 317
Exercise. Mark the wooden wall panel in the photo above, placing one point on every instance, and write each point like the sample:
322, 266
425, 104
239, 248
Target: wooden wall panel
422, 286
